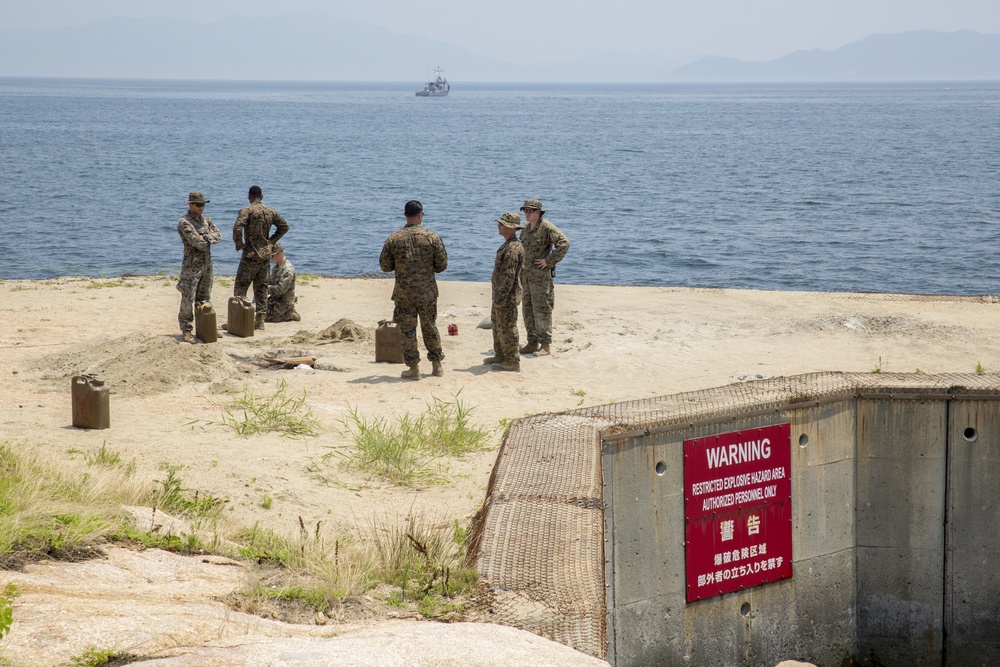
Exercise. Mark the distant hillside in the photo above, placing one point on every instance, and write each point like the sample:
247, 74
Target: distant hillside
911, 56
304, 46
314, 46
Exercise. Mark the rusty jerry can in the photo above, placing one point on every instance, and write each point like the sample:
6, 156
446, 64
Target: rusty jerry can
388, 340
206, 327
241, 316
91, 407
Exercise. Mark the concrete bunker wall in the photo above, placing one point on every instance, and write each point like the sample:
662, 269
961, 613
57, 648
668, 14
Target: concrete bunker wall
895, 524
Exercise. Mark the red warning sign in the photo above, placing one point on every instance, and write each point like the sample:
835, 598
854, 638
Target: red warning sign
737, 510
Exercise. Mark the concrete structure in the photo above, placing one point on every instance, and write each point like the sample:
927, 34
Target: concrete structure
896, 526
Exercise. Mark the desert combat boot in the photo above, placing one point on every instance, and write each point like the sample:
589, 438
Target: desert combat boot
543, 351
258, 323
438, 370
514, 366
529, 348
411, 373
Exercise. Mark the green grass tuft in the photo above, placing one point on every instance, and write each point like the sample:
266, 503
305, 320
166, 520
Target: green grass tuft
254, 413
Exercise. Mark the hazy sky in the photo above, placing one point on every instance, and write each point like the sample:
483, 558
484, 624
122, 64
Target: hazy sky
528, 31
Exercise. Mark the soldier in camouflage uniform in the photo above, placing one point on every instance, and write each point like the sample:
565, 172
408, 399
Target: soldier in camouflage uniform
252, 235
544, 246
506, 295
198, 233
281, 288
415, 254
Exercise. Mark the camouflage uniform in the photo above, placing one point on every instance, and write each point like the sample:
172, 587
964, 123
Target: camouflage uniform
415, 254
250, 234
546, 242
195, 283
507, 270
281, 293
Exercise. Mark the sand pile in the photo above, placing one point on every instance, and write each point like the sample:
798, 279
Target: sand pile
341, 331
140, 364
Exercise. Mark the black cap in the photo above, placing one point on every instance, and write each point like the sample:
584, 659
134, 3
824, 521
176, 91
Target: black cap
412, 208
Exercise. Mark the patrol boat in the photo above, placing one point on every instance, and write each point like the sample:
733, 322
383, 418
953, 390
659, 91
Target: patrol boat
437, 88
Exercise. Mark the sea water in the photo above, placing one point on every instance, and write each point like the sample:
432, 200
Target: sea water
856, 187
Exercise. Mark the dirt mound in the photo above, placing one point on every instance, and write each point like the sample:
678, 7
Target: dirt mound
140, 364
345, 330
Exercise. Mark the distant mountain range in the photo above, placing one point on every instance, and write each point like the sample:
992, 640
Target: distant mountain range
314, 46
920, 55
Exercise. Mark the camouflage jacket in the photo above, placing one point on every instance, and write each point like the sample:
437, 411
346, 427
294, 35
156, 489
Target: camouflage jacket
415, 254
281, 285
198, 235
253, 224
544, 242
507, 273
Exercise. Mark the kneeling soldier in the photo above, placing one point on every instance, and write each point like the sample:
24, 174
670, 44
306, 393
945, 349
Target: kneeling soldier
281, 288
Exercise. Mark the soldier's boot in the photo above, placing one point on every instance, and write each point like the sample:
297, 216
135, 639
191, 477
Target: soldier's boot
411, 373
514, 366
437, 371
529, 348
543, 351
294, 317
491, 360
258, 322
188, 337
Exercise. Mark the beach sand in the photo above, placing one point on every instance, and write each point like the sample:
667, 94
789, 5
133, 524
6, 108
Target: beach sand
610, 344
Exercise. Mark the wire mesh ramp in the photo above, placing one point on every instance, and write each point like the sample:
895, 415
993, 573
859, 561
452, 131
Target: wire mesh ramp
538, 540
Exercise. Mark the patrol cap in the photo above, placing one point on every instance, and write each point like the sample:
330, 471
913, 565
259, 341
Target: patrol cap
512, 220
276, 247
198, 198
532, 204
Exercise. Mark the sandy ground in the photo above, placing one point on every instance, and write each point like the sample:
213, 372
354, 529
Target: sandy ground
610, 344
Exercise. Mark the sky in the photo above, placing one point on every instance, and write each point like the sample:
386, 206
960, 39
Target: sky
534, 31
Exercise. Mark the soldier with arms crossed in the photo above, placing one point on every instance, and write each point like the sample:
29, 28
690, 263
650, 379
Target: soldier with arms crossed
197, 233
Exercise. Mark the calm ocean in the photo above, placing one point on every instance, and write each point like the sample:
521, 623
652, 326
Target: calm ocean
867, 187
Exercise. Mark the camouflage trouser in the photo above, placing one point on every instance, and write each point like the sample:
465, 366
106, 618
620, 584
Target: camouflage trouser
279, 310
254, 270
505, 338
405, 315
537, 303
195, 285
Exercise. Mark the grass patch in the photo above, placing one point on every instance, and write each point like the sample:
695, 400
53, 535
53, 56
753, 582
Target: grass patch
253, 413
175, 499
49, 513
7, 597
101, 284
407, 453
413, 561
95, 657
307, 279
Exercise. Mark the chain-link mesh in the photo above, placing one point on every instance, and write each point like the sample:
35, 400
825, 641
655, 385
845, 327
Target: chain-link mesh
538, 541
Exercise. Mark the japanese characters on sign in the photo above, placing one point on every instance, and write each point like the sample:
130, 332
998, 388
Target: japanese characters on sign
737, 510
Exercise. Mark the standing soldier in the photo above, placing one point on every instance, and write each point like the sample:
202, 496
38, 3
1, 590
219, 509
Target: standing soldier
281, 288
198, 233
252, 235
544, 247
506, 295
415, 254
